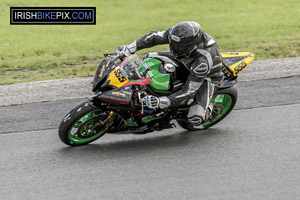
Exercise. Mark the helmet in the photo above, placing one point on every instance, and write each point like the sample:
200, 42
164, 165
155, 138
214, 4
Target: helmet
184, 38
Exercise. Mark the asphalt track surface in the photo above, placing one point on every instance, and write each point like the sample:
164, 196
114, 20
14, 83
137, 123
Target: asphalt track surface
252, 154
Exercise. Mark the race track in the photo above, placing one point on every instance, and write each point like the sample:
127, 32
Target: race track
252, 154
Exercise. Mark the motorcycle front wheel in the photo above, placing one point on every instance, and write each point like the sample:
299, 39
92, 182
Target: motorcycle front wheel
82, 125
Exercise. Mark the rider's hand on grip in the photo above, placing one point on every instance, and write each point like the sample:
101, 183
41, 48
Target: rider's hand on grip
151, 102
154, 102
123, 51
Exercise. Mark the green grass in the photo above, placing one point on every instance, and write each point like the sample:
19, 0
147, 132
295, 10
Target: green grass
269, 29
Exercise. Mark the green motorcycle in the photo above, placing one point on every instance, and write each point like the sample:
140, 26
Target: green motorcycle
119, 88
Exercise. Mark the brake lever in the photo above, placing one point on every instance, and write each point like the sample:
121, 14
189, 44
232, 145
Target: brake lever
109, 54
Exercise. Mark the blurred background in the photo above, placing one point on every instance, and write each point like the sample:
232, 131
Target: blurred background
269, 29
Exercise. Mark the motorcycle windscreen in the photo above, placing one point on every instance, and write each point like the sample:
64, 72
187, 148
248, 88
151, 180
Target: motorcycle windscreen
127, 70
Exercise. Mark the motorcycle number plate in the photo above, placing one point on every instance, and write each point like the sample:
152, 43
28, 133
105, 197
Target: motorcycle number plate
116, 78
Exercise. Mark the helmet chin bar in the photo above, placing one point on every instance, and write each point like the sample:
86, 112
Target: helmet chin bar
183, 55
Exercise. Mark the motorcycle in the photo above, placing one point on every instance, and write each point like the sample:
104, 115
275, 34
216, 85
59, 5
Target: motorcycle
119, 85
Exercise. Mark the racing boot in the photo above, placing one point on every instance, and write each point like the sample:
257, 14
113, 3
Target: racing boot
209, 111
196, 117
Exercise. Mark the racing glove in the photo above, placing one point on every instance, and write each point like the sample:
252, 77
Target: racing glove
126, 50
154, 102
123, 51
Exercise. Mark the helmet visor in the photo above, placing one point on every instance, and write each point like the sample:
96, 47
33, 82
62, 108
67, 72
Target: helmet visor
180, 50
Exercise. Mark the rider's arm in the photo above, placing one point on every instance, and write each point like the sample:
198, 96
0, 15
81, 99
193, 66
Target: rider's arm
149, 40
198, 71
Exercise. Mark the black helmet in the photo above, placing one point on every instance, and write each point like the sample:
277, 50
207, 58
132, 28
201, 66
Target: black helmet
184, 38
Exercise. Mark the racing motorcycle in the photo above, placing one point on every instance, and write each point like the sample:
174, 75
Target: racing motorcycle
119, 85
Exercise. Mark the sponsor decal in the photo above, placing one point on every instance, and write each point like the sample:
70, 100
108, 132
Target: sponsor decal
119, 94
102, 70
123, 72
110, 98
231, 53
169, 67
141, 80
126, 92
144, 81
67, 117
225, 71
201, 69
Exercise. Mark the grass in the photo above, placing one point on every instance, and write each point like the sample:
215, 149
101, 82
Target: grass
269, 29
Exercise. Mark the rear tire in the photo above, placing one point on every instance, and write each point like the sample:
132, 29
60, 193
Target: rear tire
229, 94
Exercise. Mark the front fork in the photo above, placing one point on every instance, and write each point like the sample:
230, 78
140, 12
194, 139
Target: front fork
106, 123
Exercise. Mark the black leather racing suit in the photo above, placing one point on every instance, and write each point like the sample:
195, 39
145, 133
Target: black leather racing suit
205, 68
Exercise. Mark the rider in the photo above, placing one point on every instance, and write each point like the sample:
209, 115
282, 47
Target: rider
195, 50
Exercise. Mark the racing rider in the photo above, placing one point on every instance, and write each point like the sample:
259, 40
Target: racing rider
195, 50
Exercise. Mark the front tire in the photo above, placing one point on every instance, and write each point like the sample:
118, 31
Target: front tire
75, 128
223, 101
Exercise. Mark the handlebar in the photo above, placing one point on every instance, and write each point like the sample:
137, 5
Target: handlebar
113, 55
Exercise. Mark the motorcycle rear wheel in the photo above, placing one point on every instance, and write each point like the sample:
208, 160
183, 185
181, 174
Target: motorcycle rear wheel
223, 102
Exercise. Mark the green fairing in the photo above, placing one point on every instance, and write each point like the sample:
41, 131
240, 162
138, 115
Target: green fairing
160, 82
